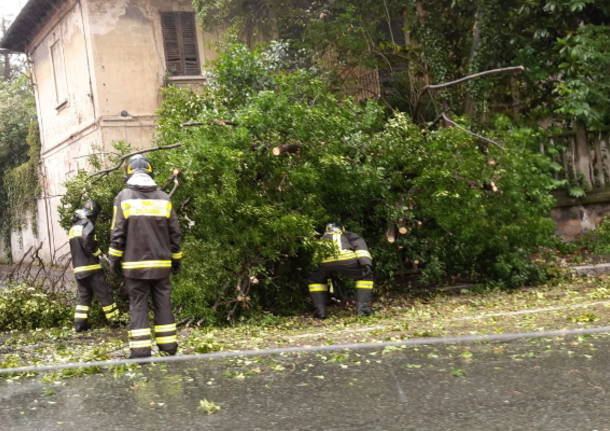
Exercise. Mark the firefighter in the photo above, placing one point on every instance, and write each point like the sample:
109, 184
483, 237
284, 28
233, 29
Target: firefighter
145, 248
87, 269
351, 259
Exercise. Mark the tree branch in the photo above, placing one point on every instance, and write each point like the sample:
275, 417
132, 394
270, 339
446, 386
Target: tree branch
482, 138
211, 123
126, 156
286, 149
474, 76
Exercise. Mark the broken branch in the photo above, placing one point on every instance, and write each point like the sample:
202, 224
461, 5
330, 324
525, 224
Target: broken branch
474, 76
482, 138
205, 123
126, 156
390, 234
285, 149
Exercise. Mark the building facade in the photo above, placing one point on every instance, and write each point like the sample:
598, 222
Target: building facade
98, 67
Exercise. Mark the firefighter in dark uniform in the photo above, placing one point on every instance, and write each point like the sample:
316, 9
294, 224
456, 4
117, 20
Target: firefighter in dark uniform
145, 247
350, 259
87, 269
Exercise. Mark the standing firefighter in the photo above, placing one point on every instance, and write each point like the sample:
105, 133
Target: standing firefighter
145, 247
87, 269
350, 259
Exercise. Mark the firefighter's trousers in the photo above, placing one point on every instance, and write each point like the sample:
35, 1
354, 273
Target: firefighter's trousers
318, 286
88, 287
139, 291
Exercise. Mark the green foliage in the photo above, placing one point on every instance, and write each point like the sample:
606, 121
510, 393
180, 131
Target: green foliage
251, 218
597, 241
584, 91
102, 189
25, 307
412, 43
470, 213
21, 183
18, 141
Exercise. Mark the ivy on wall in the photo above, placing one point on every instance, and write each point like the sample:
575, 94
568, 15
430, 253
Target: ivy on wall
22, 185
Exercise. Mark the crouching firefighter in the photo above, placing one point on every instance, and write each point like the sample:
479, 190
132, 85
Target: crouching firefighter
145, 247
350, 259
87, 269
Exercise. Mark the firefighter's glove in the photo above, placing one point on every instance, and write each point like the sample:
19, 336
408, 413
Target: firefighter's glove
115, 266
367, 270
176, 265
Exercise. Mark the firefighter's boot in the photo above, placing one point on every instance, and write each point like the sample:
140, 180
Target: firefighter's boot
81, 325
363, 302
80, 318
319, 304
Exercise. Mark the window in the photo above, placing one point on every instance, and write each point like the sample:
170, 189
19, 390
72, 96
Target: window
180, 43
59, 73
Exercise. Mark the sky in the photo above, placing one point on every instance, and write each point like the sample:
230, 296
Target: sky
10, 8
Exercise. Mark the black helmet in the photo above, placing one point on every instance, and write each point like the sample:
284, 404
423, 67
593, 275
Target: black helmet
138, 163
333, 228
91, 209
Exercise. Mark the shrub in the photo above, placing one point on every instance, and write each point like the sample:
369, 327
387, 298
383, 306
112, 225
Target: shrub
24, 307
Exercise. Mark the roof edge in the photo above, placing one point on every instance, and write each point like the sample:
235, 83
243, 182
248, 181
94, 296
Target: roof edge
27, 23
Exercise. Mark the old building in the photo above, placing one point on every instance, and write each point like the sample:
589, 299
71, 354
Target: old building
98, 67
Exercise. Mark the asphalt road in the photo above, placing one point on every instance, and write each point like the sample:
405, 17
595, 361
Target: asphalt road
527, 384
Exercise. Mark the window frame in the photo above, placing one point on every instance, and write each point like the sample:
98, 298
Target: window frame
60, 79
185, 68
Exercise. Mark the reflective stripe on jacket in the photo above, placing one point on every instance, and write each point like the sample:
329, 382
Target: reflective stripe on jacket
348, 245
145, 234
84, 248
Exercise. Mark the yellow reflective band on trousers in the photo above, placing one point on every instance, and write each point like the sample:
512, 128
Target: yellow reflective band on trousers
165, 328
78, 315
75, 231
147, 264
166, 340
115, 252
110, 315
177, 256
110, 307
111, 311
139, 332
83, 307
146, 207
364, 284
139, 344
318, 287
87, 268
97, 253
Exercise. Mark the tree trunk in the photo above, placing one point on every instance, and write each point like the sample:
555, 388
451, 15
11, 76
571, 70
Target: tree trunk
582, 156
6, 63
470, 103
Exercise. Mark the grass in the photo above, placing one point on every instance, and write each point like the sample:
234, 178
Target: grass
570, 304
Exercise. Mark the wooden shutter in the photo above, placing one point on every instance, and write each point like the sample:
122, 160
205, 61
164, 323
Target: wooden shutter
180, 43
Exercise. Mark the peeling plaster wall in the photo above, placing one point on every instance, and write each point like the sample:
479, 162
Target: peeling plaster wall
114, 61
58, 123
26, 238
68, 130
57, 166
127, 45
